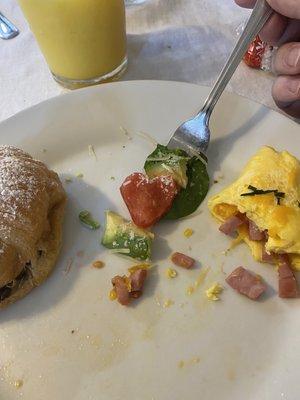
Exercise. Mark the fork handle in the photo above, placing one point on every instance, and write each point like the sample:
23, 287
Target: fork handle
260, 14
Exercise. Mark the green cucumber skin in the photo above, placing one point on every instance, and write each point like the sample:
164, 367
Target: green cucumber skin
139, 247
122, 234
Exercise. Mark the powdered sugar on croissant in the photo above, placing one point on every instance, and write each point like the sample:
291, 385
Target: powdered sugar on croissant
32, 202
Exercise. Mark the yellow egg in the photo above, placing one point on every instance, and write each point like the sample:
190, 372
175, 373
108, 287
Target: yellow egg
266, 170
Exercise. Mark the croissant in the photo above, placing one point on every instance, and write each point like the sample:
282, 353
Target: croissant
32, 203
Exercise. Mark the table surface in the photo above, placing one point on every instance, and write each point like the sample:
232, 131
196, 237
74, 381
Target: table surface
181, 40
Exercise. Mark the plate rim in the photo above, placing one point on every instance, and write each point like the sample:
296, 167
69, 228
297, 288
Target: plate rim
96, 88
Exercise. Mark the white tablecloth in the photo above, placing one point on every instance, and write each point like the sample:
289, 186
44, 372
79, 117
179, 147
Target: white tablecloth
182, 40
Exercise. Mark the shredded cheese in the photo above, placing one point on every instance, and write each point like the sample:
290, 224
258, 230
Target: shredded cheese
213, 293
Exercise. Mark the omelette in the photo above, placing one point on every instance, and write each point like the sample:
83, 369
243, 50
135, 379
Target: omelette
263, 206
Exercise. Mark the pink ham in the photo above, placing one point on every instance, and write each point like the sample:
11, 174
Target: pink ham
287, 283
182, 260
137, 279
230, 226
127, 292
265, 256
255, 233
246, 283
123, 295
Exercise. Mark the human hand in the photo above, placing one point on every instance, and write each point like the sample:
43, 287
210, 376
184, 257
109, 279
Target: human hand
283, 30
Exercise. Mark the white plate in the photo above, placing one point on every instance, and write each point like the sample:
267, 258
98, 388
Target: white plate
195, 349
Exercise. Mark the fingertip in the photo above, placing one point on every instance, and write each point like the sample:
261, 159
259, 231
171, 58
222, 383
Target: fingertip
286, 89
246, 3
287, 59
290, 108
274, 29
289, 8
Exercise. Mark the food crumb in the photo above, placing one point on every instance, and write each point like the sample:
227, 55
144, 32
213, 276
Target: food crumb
68, 180
189, 362
18, 383
92, 152
98, 264
201, 277
112, 178
112, 295
139, 266
126, 133
214, 291
218, 175
68, 267
168, 303
188, 232
73, 331
190, 290
225, 252
171, 273
157, 301
79, 175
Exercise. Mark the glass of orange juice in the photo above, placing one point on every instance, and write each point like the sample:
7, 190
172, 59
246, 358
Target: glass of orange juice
83, 41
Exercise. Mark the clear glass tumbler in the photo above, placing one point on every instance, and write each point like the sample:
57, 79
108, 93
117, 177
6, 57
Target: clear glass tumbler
83, 41
133, 2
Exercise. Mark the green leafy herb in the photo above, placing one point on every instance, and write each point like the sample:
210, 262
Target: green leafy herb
255, 192
87, 219
188, 200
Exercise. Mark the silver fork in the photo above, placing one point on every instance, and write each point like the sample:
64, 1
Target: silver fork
193, 136
7, 29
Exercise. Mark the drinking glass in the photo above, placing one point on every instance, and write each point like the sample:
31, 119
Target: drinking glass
83, 41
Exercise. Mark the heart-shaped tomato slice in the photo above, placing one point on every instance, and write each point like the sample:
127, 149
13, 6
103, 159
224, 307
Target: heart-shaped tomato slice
148, 199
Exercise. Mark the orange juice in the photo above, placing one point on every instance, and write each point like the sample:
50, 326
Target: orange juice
82, 40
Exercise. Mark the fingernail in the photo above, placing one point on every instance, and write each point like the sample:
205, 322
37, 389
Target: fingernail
293, 57
293, 86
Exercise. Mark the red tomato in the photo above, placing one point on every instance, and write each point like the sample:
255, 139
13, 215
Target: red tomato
148, 199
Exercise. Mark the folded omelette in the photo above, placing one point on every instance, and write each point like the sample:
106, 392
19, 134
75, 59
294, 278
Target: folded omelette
268, 193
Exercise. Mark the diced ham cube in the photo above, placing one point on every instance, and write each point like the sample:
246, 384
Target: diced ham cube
131, 287
123, 295
287, 283
230, 226
182, 260
137, 279
246, 283
255, 233
265, 256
